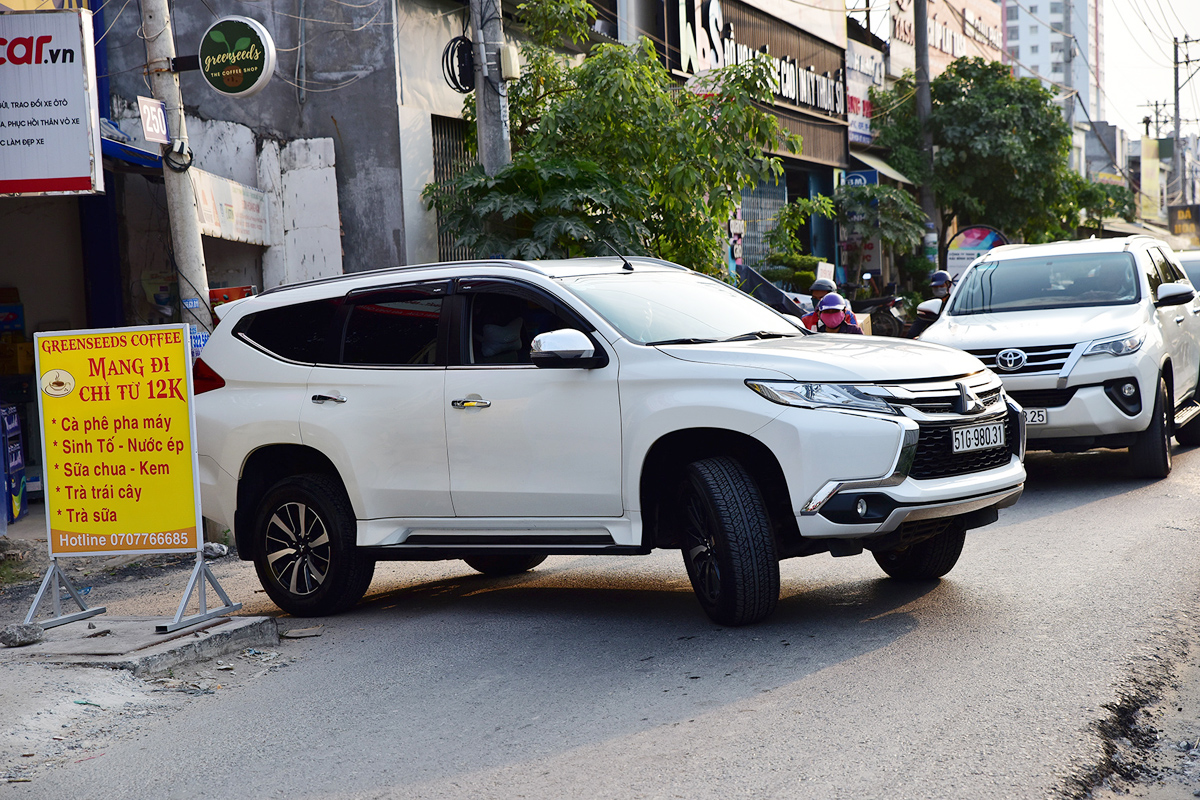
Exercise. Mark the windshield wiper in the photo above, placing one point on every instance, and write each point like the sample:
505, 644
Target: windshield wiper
681, 341
745, 337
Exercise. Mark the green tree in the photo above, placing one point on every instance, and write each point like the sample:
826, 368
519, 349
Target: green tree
1100, 200
1001, 147
630, 144
864, 212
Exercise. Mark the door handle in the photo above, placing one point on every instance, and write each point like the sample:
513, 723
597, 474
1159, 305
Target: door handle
471, 403
333, 398
1179, 320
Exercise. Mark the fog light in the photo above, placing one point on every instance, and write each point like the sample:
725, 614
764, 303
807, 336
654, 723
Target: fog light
1128, 389
861, 506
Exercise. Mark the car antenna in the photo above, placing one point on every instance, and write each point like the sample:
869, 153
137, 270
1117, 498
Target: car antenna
624, 260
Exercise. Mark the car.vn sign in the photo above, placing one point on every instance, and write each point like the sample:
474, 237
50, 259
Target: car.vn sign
49, 120
237, 56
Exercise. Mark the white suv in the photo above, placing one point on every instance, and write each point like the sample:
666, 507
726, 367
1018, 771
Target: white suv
500, 411
1099, 340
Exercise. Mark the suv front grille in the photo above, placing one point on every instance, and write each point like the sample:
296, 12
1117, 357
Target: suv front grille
1043, 398
1042, 359
941, 397
935, 457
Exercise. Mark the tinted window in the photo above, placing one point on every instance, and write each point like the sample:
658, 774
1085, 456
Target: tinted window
1155, 273
298, 332
1060, 281
393, 328
502, 326
1170, 272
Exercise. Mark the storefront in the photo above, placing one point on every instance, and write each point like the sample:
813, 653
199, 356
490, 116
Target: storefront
810, 100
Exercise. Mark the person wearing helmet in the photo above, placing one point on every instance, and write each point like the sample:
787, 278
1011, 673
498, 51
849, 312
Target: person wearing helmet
819, 289
940, 283
832, 315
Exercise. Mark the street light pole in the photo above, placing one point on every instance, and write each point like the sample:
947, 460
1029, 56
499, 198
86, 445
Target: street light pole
924, 111
181, 200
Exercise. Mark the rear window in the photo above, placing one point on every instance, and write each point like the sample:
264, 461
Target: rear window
1059, 281
298, 332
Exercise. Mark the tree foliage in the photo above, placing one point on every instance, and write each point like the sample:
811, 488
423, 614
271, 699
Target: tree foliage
613, 135
864, 212
784, 239
1001, 147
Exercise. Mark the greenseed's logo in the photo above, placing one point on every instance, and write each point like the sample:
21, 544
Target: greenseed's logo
237, 56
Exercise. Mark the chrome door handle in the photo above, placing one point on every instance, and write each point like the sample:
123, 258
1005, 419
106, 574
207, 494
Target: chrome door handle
333, 398
471, 403
1179, 320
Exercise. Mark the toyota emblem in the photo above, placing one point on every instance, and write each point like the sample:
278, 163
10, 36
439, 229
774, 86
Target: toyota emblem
1011, 360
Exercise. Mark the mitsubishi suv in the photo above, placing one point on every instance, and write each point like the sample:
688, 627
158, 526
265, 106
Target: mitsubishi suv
1098, 340
502, 411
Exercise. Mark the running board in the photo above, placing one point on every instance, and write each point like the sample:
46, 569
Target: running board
1184, 415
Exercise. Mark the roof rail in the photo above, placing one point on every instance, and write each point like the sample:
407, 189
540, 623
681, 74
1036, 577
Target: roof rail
408, 268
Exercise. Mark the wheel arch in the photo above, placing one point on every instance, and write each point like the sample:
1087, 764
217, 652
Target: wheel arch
663, 469
262, 469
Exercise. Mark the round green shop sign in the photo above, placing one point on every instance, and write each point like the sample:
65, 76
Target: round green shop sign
237, 56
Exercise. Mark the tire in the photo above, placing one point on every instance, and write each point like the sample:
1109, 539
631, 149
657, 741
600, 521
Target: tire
500, 565
1150, 454
728, 547
884, 323
923, 561
326, 574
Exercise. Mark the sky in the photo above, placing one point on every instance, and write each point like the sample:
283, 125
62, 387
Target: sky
1138, 56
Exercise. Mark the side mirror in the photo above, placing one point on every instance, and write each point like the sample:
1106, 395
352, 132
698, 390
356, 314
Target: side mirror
1174, 294
566, 348
930, 309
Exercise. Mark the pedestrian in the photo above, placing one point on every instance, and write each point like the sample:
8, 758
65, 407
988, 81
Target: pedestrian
833, 315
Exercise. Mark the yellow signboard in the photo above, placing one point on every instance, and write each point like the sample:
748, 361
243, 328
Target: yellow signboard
118, 442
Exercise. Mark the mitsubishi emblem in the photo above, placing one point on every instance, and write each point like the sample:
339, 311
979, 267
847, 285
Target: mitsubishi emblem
968, 402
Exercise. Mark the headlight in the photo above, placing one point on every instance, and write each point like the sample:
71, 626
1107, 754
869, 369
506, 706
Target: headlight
819, 395
1119, 345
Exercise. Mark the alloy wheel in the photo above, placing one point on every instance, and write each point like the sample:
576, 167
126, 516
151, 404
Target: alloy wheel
700, 547
298, 548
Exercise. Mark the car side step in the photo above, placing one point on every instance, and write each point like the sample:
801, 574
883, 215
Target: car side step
1184, 415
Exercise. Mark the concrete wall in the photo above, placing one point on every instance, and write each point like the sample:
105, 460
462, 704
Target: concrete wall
351, 100
302, 189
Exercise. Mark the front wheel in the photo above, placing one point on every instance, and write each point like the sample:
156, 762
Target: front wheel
728, 546
1150, 454
305, 553
923, 561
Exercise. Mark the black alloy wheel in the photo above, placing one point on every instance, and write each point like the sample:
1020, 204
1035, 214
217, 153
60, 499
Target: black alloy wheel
305, 552
728, 546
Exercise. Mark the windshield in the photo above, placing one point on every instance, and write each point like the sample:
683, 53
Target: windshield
679, 307
1061, 281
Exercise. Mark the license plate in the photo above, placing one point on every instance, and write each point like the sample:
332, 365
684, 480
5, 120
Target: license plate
1035, 416
978, 437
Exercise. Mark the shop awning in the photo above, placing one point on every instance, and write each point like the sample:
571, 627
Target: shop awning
876, 163
1120, 227
129, 154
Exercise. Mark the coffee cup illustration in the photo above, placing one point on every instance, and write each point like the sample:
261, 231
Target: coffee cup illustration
57, 383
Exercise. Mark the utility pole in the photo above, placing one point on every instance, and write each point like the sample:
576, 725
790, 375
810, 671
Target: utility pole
1176, 177
924, 111
1160, 109
491, 96
181, 200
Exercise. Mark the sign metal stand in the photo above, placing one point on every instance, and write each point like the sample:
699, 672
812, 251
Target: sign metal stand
55, 580
200, 575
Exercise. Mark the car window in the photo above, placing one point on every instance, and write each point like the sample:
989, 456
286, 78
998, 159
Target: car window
299, 332
501, 324
1041, 282
1170, 272
1152, 272
395, 327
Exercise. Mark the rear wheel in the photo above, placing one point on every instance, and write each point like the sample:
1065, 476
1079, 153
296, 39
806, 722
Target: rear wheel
504, 564
925, 560
305, 552
1150, 454
728, 546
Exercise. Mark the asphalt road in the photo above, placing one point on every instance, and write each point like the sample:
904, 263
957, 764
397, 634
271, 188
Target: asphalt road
601, 678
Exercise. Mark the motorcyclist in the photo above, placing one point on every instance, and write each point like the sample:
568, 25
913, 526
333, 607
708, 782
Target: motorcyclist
819, 289
833, 315
940, 283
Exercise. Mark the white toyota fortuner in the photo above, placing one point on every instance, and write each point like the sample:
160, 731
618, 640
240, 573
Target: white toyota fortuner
1098, 340
501, 411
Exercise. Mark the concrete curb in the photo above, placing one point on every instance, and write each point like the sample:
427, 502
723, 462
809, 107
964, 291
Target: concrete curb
217, 637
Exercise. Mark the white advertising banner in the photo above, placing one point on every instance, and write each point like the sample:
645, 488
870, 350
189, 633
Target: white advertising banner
49, 120
230, 210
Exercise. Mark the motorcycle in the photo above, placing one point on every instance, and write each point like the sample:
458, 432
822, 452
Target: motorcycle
886, 317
